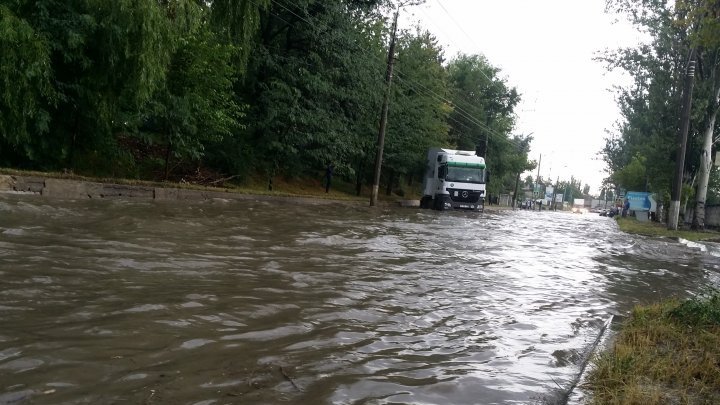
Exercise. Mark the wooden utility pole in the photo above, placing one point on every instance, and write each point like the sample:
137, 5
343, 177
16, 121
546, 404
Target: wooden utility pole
383, 116
674, 209
517, 182
537, 180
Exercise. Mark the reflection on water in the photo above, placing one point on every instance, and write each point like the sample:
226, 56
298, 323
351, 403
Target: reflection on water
257, 302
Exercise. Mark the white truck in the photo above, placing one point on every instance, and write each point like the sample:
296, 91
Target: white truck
454, 179
579, 206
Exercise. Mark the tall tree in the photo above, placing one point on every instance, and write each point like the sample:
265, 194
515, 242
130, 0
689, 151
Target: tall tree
307, 84
644, 142
104, 57
26, 92
483, 113
237, 22
196, 106
703, 18
419, 112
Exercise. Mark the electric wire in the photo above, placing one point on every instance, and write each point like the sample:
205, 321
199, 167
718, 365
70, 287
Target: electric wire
438, 97
462, 112
462, 30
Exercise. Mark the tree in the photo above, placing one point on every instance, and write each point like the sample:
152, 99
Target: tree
104, 58
483, 111
237, 22
196, 105
633, 176
703, 18
586, 190
650, 106
307, 85
482, 102
419, 110
26, 91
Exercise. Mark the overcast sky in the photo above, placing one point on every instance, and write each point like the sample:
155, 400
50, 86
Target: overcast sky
546, 50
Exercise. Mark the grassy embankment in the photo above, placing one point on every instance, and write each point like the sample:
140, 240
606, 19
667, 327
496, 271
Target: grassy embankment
631, 225
666, 353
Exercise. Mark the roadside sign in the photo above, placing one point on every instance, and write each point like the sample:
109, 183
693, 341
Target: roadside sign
639, 201
548, 193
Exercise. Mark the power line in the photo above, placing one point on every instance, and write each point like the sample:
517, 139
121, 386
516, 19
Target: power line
463, 31
413, 83
460, 111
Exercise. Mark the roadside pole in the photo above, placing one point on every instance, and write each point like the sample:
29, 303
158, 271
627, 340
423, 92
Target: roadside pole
674, 209
384, 114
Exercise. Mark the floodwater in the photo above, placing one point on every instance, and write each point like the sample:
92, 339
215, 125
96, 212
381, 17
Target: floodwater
250, 302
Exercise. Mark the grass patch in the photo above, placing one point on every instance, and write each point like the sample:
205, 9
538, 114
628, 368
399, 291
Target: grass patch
667, 353
648, 228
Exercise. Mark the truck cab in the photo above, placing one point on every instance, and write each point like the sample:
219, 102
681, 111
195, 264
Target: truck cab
454, 179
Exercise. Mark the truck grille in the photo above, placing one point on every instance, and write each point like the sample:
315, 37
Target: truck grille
467, 196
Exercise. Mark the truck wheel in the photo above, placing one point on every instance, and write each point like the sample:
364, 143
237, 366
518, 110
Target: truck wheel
425, 202
439, 203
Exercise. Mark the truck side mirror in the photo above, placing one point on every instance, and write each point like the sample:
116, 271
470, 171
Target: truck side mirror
487, 176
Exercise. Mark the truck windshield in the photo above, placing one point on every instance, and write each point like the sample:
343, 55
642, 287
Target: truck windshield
465, 175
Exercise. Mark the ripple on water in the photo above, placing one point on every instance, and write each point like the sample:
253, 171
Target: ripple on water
21, 365
268, 303
195, 343
144, 308
271, 334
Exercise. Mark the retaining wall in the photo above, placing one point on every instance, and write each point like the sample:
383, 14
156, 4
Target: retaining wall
712, 215
78, 189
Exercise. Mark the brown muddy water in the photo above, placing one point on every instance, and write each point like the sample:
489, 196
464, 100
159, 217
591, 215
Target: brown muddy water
227, 302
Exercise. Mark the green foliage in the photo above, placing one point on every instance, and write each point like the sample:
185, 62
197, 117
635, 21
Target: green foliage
642, 148
25, 85
196, 106
659, 359
633, 176
310, 81
483, 102
103, 57
573, 189
483, 116
125, 87
418, 110
236, 22
699, 311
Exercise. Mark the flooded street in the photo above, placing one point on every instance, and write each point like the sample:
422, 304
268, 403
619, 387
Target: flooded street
272, 302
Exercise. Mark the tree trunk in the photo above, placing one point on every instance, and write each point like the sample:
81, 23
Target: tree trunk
673, 214
391, 180
167, 160
71, 153
359, 177
684, 201
704, 178
706, 162
686, 105
514, 199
